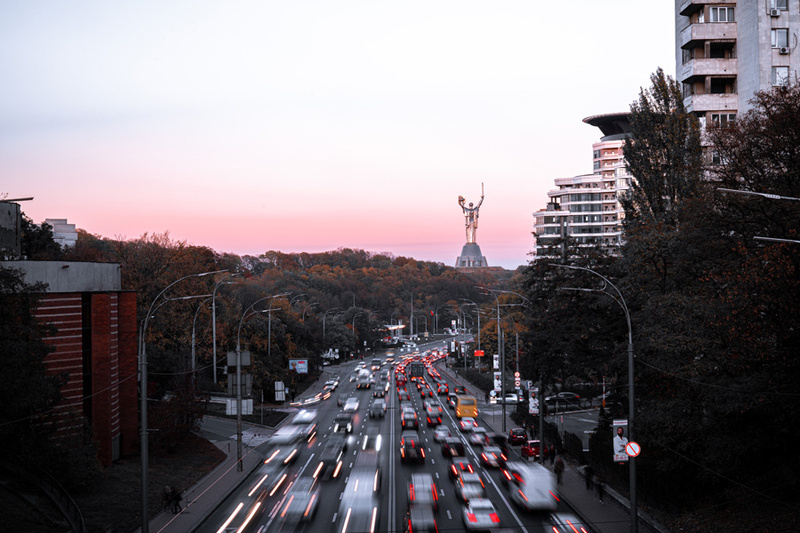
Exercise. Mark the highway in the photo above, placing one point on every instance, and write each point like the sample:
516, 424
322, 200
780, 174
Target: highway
348, 496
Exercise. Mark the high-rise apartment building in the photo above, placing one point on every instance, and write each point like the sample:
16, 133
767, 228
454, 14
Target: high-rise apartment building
586, 208
728, 50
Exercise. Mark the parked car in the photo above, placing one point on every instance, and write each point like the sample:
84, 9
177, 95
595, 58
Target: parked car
530, 449
517, 436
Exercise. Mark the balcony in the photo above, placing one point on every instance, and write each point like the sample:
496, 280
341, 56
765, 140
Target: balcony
696, 34
712, 102
708, 67
689, 7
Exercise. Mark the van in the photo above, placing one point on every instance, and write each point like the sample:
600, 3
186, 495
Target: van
530, 485
466, 406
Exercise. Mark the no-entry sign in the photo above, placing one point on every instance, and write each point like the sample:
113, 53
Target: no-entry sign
633, 449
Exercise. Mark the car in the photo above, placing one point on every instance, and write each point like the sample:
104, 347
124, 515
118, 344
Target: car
532, 486
530, 449
330, 385
467, 424
478, 436
351, 405
420, 519
282, 455
442, 389
469, 486
492, 456
301, 500
451, 400
411, 448
341, 399
510, 399
379, 391
460, 465
440, 433
500, 440
378, 408
403, 395
564, 399
452, 447
359, 508
433, 416
422, 490
433, 404
480, 514
517, 436
408, 419
460, 390
343, 423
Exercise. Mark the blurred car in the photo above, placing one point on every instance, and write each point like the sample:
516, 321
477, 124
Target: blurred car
532, 486
378, 408
408, 419
568, 523
351, 405
330, 458
460, 465
452, 447
433, 404
564, 399
420, 519
422, 490
467, 424
359, 507
282, 455
478, 436
500, 440
442, 388
403, 395
510, 399
342, 399
469, 486
480, 514
343, 422
530, 449
433, 417
379, 391
451, 400
517, 436
492, 456
301, 500
372, 440
440, 433
330, 385
460, 390
411, 448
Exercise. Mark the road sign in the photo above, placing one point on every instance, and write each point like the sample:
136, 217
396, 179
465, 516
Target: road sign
478, 353
633, 449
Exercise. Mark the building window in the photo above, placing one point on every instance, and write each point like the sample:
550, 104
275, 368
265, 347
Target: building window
720, 14
779, 4
780, 37
596, 154
722, 119
780, 75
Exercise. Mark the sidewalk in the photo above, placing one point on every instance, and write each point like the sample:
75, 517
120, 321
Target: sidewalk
201, 500
612, 515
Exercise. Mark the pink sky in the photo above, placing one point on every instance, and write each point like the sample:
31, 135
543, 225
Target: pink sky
309, 126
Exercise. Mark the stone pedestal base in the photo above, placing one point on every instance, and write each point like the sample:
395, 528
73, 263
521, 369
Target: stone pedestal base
471, 257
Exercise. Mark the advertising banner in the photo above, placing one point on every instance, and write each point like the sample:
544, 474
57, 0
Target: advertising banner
620, 428
497, 381
533, 401
299, 365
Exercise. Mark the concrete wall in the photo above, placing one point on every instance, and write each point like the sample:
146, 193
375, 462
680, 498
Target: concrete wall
66, 276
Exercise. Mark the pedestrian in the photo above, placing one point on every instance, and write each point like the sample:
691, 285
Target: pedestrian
545, 453
177, 498
167, 497
552, 453
588, 473
559, 469
487, 397
601, 489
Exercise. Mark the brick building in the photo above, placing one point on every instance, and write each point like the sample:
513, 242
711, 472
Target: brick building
95, 345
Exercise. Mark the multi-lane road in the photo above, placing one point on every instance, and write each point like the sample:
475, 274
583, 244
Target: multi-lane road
341, 494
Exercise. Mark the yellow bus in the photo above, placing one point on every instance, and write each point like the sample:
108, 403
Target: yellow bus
466, 406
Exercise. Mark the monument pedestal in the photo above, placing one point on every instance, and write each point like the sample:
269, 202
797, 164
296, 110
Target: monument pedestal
471, 257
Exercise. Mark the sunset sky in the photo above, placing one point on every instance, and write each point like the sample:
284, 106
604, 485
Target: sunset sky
249, 126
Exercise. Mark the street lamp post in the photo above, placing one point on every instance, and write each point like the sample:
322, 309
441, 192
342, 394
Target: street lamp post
632, 460
214, 319
239, 374
143, 393
194, 324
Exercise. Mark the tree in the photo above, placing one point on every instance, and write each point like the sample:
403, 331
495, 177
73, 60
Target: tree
37, 241
663, 152
28, 393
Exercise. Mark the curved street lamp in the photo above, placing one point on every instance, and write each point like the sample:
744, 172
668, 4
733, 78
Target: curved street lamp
239, 373
143, 392
214, 318
621, 301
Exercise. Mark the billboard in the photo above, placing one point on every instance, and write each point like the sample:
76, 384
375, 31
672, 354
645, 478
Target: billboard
299, 365
620, 428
